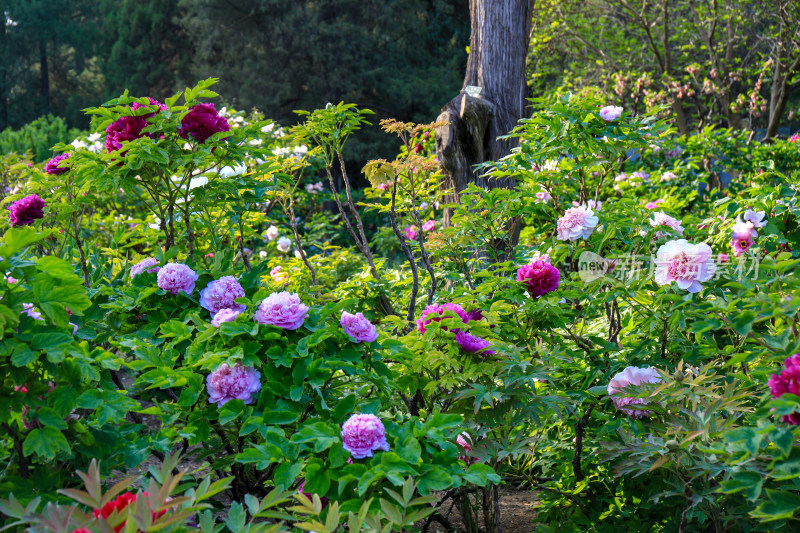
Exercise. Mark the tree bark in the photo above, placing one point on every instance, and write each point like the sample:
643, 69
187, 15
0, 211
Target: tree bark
496, 64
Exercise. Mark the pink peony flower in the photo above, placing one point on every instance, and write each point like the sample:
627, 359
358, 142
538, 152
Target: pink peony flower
610, 113
411, 233
225, 315
436, 312
26, 210
382, 186
542, 197
539, 277
723, 257
429, 225
271, 234
220, 294
278, 275
742, 237
201, 122
465, 441
756, 218
358, 328
150, 265
237, 383
10, 280
662, 219
176, 277
621, 177
123, 129
787, 381
668, 176
283, 310
654, 205
591, 204
641, 174
362, 435
31, 311
632, 376
472, 344
51, 167
684, 263
577, 223
794, 138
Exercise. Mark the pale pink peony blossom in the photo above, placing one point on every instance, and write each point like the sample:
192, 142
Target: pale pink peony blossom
577, 223
591, 204
177, 277
220, 294
661, 219
632, 376
465, 441
283, 310
654, 205
542, 196
278, 275
621, 177
668, 176
686, 264
362, 435
271, 234
756, 218
225, 315
610, 113
237, 383
284, 244
358, 328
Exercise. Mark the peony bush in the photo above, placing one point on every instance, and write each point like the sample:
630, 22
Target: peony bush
203, 294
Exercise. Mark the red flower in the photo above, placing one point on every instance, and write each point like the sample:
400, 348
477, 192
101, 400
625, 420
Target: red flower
119, 504
201, 122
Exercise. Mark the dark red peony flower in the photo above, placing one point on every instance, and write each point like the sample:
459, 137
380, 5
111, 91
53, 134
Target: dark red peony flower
51, 167
539, 277
124, 129
25, 210
787, 381
201, 122
118, 504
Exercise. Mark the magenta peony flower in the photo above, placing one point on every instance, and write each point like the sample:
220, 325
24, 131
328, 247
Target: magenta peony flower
51, 167
411, 233
662, 219
684, 263
577, 223
220, 294
124, 129
150, 265
283, 310
436, 312
794, 138
723, 257
472, 344
539, 277
362, 435
787, 381
201, 122
358, 328
475, 314
25, 210
429, 225
176, 277
632, 376
610, 113
153, 102
237, 383
225, 315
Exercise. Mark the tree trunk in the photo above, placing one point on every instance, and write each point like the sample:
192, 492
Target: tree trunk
779, 95
496, 64
45, 77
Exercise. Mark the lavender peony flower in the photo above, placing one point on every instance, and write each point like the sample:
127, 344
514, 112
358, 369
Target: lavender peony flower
283, 310
756, 218
577, 223
632, 376
225, 315
31, 311
362, 435
177, 277
220, 294
358, 328
436, 312
150, 265
52, 166
787, 381
201, 122
237, 383
684, 263
25, 210
124, 129
539, 277
471, 343
610, 113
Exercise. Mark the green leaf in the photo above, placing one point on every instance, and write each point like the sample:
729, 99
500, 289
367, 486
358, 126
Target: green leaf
15, 239
286, 473
780, 505
49, 417
743, 322
481, 475
236, 517
45, 443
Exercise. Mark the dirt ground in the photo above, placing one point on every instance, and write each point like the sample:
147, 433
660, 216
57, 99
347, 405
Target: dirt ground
517, 513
